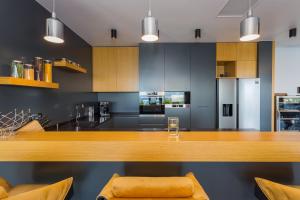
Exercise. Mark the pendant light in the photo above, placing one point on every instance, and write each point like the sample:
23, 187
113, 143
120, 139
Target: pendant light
149, 27
250, 26
54, 28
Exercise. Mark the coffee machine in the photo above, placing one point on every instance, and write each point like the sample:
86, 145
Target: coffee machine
105, 108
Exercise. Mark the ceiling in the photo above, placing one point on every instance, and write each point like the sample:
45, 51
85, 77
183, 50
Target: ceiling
93, 19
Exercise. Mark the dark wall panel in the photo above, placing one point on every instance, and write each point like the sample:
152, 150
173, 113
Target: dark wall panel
122, 102
265, 75
222, 181
21, 36
203, 86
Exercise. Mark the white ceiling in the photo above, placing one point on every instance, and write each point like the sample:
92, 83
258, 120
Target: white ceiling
93, 19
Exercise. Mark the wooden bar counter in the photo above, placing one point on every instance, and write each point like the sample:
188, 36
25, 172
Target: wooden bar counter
152, 147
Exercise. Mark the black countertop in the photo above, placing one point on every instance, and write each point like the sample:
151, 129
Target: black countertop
115, 122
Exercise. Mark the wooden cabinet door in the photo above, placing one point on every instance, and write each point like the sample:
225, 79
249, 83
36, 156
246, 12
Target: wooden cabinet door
127, 69
226, 51
104, 69
247, 51
246, 69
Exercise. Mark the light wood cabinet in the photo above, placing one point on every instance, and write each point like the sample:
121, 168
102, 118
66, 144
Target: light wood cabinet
115, 69
226, 51
237, 60
246, 51
246, 69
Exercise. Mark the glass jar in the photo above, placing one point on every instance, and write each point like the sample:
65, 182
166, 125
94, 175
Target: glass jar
38, 69
173, 126
48, 71
28, 72
17, 69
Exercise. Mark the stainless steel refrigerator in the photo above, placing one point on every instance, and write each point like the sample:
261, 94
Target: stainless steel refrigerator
239, 104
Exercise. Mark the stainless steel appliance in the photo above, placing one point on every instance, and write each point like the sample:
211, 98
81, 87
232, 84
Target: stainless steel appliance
105, 108
178, 105
177, 99
151, 103
288, 113
239, 104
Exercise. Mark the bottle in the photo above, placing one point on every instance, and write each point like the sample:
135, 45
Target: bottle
48, 71
38, 69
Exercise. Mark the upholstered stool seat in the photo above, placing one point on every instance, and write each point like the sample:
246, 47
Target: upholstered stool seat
56, 191
269, 190
154, 188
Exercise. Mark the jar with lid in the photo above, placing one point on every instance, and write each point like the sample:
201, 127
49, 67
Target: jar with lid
28, 72
48, 71
17, 69
38, 69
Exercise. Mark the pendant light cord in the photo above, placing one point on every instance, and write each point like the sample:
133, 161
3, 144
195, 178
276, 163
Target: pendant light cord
149, 7
53, 9
250, 9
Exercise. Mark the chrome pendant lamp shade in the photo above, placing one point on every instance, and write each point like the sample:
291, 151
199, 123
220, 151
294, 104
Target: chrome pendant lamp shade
149, 27
54, 29
250, 27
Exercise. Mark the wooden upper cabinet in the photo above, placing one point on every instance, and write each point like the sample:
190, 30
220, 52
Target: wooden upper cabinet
239, 57
247, 51
246, 69
104, 70
127, 69
115, 69
226, 51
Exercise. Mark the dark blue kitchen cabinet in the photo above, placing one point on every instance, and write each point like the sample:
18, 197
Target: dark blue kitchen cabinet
203, 86
183, 115
177, 67
152, 72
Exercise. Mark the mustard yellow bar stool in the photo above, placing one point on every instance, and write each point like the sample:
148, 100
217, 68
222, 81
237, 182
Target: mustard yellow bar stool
56, 191
268, 190
154, 188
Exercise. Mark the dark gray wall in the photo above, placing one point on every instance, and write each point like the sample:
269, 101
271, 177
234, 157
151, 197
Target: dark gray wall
222, 181
265, 75
22, 31
122, 102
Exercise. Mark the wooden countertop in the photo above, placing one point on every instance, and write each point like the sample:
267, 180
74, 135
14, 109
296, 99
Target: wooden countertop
152, 146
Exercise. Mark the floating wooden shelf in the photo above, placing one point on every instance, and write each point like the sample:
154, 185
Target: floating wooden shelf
69, 66
27, 83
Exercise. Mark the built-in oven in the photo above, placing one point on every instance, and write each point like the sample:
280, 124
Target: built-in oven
177, 104
152, 103
177, 99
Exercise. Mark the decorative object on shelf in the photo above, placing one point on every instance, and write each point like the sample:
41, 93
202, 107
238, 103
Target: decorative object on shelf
38, 69
27, 83
48, 71
150, 32
17, 69
54, 28
28, 72
70, 65
12, 121
173, 126
250, 26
